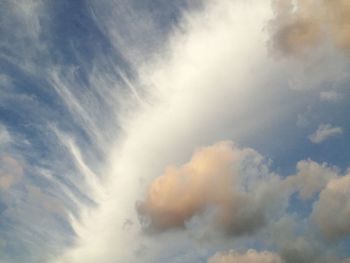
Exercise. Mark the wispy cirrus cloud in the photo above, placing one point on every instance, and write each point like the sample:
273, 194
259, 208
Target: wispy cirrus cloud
324, 132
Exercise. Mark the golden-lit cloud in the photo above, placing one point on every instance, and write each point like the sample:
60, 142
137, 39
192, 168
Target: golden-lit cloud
302, 24
211, 179
251, 256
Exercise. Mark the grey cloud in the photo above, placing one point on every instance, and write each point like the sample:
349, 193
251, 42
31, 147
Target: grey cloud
332, 210
311, 178
299, 250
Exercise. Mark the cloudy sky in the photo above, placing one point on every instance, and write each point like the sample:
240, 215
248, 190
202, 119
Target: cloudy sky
189, 131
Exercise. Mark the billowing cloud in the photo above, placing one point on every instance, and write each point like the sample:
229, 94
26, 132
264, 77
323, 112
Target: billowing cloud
300, 250
251, 256
332, 211
213, 178
302, 24
10, 171
324, 132
311, 178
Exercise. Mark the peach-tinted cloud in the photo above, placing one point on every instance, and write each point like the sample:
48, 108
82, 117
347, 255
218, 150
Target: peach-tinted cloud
10, 171
211, 179
251, 256
302, 24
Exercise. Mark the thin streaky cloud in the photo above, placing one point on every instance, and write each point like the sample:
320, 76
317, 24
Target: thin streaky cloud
325, 132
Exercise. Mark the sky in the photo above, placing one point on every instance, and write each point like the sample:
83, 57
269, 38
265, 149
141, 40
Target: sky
188, 131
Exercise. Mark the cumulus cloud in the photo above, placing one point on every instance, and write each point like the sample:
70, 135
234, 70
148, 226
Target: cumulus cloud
324, 132
251, 256
332, 210
10, 171
300, 250
212, 178
229, 182
311, 178
302, 24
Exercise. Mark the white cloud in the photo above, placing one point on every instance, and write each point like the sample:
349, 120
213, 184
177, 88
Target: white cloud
324, 132
210, 81
183, 103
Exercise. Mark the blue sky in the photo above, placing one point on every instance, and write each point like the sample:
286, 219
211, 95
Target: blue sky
174, 131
